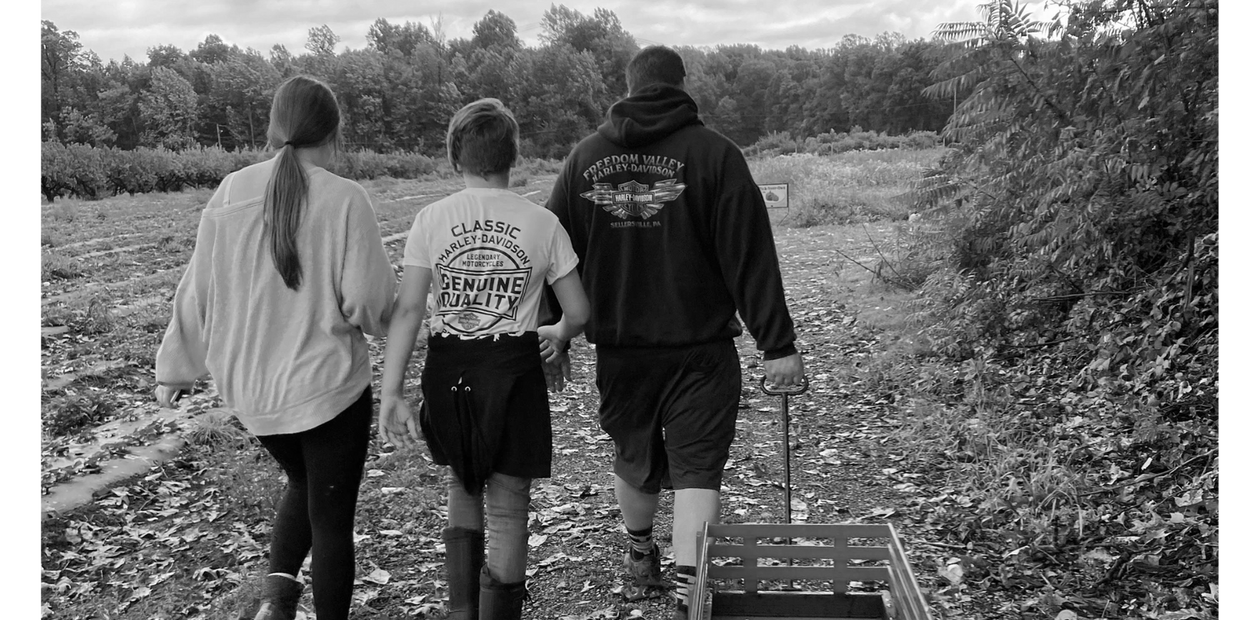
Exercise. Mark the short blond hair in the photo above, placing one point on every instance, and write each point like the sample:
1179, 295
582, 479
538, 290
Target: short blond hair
483, 137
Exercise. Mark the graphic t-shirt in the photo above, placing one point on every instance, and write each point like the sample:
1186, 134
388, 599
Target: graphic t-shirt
489, 252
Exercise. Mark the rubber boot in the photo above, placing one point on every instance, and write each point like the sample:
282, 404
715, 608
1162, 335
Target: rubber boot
498, 600
280, 596
465, 550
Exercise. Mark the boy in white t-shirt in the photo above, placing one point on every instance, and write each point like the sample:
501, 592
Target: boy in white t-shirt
483, 256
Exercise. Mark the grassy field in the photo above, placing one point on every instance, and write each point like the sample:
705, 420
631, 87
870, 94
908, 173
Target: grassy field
857, 186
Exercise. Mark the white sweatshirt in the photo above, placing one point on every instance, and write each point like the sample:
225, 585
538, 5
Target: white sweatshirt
286, 361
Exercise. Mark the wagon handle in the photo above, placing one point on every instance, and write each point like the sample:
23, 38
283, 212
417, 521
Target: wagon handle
800, 389
783, 394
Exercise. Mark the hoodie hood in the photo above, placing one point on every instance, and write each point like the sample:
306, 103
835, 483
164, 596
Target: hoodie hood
649, 115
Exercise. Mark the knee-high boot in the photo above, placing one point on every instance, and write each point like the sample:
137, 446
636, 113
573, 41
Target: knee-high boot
498, 600
465, 549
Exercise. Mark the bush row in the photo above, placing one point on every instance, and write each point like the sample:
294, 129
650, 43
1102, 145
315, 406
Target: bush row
92, 172
782, 143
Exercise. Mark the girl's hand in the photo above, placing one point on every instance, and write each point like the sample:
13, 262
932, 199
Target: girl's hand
558, 372
397, 425
168, 395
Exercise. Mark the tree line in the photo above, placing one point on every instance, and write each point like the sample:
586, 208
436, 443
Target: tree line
399, 91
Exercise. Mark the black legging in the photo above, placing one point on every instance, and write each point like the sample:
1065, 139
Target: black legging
324, 467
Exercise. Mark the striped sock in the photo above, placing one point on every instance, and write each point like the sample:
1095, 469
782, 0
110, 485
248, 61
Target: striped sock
641, 542
686, 576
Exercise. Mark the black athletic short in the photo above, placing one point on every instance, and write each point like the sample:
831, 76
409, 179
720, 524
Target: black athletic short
671, 412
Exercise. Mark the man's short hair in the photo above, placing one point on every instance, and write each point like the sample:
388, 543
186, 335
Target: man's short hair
482, 138
656, 64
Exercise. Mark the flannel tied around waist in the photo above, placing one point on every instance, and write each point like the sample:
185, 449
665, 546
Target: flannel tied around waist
485, 407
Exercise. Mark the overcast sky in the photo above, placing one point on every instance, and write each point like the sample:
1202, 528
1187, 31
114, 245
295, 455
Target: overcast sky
114, 28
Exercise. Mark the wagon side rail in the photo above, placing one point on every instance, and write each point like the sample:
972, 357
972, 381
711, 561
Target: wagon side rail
841, 562
907, 597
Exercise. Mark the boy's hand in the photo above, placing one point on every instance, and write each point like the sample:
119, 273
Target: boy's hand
550, 345
397, 425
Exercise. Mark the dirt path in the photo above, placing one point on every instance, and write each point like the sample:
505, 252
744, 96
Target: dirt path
841, 472
840, 461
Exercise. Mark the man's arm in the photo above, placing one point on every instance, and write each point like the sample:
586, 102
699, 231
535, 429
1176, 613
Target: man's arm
747, 257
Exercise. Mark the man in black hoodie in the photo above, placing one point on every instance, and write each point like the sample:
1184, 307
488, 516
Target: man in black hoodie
674, 239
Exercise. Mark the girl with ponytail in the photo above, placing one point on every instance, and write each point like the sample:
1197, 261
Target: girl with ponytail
288, 274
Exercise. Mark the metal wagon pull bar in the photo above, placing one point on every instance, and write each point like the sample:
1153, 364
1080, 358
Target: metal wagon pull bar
784, 394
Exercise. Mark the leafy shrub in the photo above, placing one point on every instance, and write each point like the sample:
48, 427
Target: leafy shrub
74, 412
777, 143
535, 166
94, 172
856, 139
137, 172
921, 140
1077, 294
1097, 187
367, 164
406, 165
205, 167
360, 164
73, 170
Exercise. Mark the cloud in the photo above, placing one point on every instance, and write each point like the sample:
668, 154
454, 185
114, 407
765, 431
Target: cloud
119, 27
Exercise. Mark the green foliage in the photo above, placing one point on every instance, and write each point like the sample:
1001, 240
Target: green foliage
85, 128
398, 92
857, 186
830, 143
367, 164
1074, 312
1087, 175
73, 170
98, 318
58, 267
91, 172
531, 166
71, 413
599, 35
169, 109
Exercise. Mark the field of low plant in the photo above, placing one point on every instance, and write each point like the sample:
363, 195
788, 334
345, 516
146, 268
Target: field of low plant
857, 186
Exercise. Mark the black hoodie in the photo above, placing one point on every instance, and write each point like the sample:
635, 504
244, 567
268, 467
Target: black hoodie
671, 231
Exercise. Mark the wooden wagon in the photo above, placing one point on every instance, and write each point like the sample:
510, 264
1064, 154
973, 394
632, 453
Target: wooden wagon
738, 563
